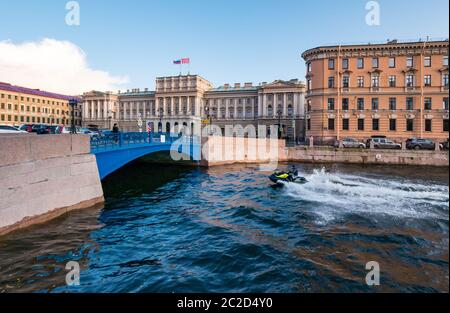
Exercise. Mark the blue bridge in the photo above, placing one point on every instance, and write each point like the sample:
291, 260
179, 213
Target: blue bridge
116, 150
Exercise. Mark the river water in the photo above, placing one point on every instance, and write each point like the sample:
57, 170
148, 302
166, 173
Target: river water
224, 229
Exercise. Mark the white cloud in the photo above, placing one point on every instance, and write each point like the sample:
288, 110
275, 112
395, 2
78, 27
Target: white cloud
53, 65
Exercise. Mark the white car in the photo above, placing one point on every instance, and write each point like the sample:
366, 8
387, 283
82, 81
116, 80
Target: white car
6, 129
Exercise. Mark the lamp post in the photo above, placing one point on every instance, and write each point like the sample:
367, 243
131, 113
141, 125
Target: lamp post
161, 112
73, 103
279, 123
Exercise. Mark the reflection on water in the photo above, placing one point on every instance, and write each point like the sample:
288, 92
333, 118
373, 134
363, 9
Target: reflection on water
223, 229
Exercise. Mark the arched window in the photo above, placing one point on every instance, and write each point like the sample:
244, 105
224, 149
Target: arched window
167, 127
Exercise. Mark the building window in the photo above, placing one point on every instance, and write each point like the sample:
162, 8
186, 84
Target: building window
445, 80
445, 103
345, 82
330, 104
410, 104
427, 80
360, 81
427, 61
392, 104
345, 64
427, 104
360, 104
445, 60
392, 124
345, 124
345, 104
409, 125
428, 125
375, 124
309, 84
375, 103
309, 67
331, 64
409, 61
360, 124
409, 80
308, 124
392, 81
331, 124
360, 63
392, 62
375, 81
331, 82
445, 126
375, 62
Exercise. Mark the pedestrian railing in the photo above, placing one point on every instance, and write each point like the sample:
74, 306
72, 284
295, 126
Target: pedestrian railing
123, 139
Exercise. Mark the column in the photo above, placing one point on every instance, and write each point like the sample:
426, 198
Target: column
218, 109
295, 104
105, 109
172, 104
252, 103
98, 109
285, 113
264, 105
138, 108
260, 105
188, 106
180, 106
227, 111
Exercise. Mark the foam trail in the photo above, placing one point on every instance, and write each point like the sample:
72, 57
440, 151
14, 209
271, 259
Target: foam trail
337, 194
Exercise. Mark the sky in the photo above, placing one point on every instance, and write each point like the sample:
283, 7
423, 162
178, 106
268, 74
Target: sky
120, 44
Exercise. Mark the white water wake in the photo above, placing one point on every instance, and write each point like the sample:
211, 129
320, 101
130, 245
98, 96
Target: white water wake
337, 194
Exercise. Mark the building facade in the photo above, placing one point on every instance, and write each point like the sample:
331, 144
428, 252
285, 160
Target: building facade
21, 105
188, 101
399, 90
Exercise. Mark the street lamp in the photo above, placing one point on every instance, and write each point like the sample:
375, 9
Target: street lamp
209, 117
161, 112
279, 123
73, 103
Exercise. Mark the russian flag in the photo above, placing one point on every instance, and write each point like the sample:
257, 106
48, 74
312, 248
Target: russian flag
177, 62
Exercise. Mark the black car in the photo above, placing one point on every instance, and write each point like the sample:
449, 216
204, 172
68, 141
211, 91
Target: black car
420, 144
54, 129
40, 129
444, 145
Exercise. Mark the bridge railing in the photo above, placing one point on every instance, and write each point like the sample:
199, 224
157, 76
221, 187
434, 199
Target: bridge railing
122, 139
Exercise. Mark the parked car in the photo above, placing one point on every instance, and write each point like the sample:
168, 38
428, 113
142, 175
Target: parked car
55, 129
6, 129
350, 143
66, 129
40, 129
383, 143
420, 144
26, 127
444, 145
86, 131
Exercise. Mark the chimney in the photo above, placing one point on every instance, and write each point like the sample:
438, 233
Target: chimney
237, 85
248, 85
226, 86
146, 89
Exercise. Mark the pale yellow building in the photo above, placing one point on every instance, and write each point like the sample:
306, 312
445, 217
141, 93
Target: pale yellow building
188, 100
21, 105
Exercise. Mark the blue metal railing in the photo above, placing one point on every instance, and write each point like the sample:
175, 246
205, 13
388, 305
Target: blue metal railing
123, 139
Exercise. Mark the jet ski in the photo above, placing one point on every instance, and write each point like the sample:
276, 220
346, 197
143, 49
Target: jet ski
280, 178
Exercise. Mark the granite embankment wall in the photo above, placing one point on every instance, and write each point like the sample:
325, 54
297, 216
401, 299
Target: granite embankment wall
42, 177
367, 156
229, 150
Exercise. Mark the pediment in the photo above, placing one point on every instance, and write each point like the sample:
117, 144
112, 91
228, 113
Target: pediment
94, 93
280, 84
